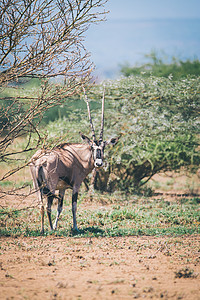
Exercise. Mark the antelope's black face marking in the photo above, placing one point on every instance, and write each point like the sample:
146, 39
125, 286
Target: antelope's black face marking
97, 148
98, 152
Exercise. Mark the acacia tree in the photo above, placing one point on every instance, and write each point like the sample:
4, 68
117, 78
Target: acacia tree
158, 122
41, 39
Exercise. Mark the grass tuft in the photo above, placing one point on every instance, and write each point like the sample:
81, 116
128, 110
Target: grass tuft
141, 217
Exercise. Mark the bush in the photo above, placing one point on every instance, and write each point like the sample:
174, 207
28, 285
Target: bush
161, 66
157, 119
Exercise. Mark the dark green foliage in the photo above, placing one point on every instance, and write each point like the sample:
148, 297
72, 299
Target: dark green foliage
162, 66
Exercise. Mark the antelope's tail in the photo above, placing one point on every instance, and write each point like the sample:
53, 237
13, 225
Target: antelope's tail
34, 171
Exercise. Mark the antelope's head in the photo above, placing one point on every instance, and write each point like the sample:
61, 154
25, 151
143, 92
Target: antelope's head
97, 146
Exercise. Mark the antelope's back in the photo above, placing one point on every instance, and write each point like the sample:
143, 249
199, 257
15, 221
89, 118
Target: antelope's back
68, 161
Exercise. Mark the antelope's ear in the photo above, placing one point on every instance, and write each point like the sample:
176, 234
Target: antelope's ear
85, 138
112, 141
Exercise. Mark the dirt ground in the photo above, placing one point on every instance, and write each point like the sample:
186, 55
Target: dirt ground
100, 268
134, 267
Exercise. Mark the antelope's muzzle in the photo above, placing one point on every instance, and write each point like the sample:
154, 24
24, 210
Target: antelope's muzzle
98, 163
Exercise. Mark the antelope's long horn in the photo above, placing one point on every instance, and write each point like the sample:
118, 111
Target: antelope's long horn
89, 113
102, 117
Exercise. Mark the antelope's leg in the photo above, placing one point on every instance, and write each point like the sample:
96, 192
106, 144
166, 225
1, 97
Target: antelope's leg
49, 204
42, 217
74, 208
59, 209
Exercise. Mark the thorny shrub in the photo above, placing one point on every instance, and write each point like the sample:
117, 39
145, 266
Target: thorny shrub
157, 120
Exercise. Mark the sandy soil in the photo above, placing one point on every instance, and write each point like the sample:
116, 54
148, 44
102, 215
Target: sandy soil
100, 268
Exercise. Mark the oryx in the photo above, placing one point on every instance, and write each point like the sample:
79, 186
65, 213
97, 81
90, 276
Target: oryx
66, 166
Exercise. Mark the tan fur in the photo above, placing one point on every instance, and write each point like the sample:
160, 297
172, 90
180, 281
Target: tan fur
72, 161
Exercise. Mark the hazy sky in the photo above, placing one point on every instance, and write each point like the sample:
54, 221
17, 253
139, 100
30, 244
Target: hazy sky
137, 9
136, 27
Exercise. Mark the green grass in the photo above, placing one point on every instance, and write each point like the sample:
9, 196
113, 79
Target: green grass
11, 184
140, 217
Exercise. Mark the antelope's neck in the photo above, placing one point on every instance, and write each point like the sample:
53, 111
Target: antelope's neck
83, 154
87, 158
